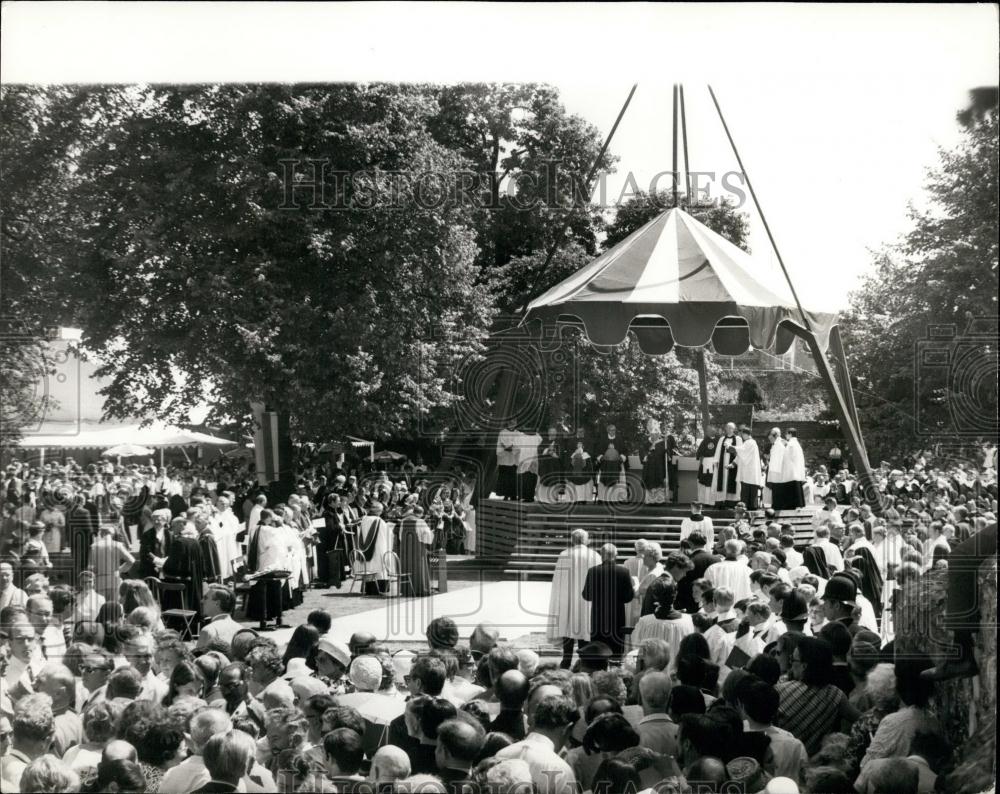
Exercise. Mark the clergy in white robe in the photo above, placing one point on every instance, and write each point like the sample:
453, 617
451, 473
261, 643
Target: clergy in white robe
731, 572
569, 613
698, 522
789, 494
724, 477
775, 454
748, 473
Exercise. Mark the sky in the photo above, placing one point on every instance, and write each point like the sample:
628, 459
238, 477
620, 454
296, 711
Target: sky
837, 110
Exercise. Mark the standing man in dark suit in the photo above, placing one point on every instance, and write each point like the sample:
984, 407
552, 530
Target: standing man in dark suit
154, 544
608, 587
701, 558
82, 530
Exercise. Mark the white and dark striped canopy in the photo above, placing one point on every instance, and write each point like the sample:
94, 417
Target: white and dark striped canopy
675, 280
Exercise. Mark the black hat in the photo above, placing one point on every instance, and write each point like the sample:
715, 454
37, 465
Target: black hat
595, 653
841, 588
794, 607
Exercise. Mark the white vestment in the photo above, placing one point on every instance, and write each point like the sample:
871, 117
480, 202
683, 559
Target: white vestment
704, 527
793, 463
748, 464
732, 574
774, 465
569, 614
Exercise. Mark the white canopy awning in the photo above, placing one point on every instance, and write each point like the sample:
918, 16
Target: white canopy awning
86, 436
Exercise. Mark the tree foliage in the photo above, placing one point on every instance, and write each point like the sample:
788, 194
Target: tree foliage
922, 329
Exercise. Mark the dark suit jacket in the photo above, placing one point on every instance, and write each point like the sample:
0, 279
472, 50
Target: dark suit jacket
216, 787
608, 587
685, 598
150, 546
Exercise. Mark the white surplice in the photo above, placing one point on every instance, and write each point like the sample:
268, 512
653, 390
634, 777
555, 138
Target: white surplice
569, 614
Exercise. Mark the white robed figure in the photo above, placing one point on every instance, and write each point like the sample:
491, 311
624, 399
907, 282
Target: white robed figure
748, 474
225, 529
724, 486
789, 494
569, 614
777, 452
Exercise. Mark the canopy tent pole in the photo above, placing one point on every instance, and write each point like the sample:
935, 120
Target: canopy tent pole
701, 360
684, 142
866, 476
842, 406
844, 375
676, 180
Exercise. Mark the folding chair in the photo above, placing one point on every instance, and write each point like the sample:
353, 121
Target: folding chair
393, 566
188, 617
359, 570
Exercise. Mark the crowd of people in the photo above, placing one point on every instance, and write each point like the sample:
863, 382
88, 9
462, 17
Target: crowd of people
742, 660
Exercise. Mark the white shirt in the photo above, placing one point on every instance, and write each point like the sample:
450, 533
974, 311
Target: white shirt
549, 773
189, 775
833, 556
793, 558
153, 688
732, 574
507, 438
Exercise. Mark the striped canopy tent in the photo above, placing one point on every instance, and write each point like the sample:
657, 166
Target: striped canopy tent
674, 280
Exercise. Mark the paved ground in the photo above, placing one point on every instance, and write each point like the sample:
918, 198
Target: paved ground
518, 609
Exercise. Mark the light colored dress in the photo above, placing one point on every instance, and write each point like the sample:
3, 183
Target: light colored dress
106, 557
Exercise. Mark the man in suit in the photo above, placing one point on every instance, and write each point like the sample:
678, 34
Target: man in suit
701, 558
608, 587
82, 530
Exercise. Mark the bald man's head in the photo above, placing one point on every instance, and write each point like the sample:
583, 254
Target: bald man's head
389, 764
119, 750
512, 689
707, 773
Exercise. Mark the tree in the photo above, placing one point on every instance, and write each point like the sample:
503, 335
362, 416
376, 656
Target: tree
204, 267
720, 216
751, 393
921, 330
529, 159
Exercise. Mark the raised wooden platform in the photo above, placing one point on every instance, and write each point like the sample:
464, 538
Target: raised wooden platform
525, 538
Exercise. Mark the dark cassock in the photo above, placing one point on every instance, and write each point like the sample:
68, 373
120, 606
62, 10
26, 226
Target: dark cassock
724, 477
654, 472
82, 531
608, 587
701, 559
415, 539
705, 455
551, 470
453, 530
507, 457
672, 452
184, 564
211, 568
611, 455
330, 537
